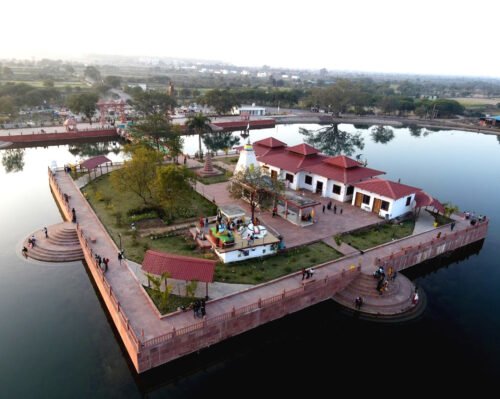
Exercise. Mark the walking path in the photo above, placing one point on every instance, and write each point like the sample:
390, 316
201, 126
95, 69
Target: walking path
144, 319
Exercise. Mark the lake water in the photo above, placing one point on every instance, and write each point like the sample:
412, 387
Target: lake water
56, 339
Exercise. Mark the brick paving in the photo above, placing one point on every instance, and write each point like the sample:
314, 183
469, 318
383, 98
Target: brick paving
136, 306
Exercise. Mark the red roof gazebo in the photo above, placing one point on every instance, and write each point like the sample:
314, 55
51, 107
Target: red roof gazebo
179, 267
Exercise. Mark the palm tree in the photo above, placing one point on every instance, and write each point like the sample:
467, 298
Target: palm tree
198, 124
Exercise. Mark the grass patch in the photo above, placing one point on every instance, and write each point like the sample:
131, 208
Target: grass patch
379, 235
174, 301
215, 179
111, 207
229, 160
255, 271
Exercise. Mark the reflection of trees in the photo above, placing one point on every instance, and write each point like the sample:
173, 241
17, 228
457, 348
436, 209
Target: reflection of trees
94, 149
220, 141
13, 160
415, 131
332, 141
382, 134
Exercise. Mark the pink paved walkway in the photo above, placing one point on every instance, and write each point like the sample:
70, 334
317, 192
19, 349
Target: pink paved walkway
138, 309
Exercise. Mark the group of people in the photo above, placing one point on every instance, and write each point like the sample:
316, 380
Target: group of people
199, 309
307, 273
473, 218
329, 207
32, 241
102, 262
382, 281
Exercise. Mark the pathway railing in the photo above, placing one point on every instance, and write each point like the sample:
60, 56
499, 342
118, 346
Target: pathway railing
245, 310
87, 249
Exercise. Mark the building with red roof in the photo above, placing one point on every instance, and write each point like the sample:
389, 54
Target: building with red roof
303, 167
179, 267
386, 198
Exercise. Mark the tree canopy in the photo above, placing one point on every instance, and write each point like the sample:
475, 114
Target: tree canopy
160, 129
152, 102
198, 124
220, 141
330, 140
84, 103
221, 100
139, 173
257, 187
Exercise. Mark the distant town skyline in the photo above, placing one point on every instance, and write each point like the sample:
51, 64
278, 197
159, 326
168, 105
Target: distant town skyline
384, 36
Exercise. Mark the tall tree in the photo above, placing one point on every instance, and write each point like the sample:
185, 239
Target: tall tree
221, 100
172, 188
92, 73
152, 102
198, 124
85, 103
257, 187
157, 127
220, 141
330, 140
138, 175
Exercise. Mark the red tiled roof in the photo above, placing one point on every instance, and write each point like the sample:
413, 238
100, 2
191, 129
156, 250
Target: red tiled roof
386, 188
270, 142
303, 149
342, 161
179, 267
350, 175
291, 162
92, 163
424, 199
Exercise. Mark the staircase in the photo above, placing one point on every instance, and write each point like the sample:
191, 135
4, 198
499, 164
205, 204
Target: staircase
395, 301
61, 246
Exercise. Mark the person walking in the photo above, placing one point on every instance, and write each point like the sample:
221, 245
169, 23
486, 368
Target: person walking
335, 209
452, 226
324, 208
46, 232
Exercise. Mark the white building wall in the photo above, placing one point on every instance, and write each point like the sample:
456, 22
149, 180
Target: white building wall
339, 197
396, 207
399, 207
253, 252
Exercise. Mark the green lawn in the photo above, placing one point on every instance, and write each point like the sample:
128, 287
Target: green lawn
379, 235
229, 160
174, 301
225, 176
111, 207
256, 271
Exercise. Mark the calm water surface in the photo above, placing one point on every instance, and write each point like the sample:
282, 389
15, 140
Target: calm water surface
56, 340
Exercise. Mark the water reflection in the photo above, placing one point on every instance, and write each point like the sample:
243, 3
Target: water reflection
13, 160
445, 260
94, 149
382, 134
220, 141
330, 140
498, 139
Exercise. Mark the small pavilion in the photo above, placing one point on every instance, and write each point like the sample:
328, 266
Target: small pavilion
179, 267
95, 162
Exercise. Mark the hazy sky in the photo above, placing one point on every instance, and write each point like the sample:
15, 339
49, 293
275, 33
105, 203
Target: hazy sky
422, 36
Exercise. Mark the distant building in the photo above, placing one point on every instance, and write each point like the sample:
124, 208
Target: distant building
249, 110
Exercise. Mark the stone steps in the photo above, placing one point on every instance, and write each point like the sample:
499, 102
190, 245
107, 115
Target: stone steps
62, 245
396, 300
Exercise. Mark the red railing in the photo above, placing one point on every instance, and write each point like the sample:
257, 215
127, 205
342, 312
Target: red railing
244, 310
